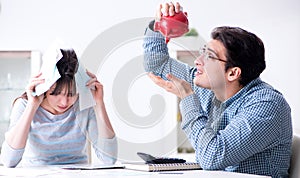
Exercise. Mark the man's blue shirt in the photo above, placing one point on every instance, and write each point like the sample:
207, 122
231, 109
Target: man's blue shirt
251, 132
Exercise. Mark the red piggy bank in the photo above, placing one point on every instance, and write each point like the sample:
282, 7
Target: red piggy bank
173, 26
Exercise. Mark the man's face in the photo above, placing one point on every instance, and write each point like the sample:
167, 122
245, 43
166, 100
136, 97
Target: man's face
211, 66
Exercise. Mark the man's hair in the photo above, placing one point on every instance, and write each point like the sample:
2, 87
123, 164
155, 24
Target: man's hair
243, 49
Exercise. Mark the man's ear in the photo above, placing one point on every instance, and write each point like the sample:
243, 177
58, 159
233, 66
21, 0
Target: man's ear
234, 73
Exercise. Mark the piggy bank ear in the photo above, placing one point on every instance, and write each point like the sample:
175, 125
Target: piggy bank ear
185, 13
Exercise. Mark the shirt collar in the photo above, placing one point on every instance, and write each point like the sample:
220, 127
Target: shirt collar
242, 91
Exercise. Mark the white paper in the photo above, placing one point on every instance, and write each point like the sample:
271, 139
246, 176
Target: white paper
26, 172
93, 167
86, 99
49, 70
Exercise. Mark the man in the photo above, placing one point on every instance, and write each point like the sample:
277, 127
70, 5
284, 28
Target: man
234, 120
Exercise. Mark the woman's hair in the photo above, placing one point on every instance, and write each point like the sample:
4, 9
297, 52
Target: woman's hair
67, 67
243, 49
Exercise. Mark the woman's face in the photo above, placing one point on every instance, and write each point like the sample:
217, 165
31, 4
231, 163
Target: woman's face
58, 104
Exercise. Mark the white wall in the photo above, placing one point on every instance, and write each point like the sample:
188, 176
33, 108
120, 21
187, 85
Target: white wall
34, 24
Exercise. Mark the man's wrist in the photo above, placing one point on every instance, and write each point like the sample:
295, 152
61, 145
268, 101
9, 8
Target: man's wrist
186, 94
151, 25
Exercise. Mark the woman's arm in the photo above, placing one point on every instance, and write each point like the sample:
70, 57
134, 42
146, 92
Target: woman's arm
20, 122
105, 129
16, 137
106, 147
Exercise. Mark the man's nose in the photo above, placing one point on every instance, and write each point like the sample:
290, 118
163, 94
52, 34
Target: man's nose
199, 60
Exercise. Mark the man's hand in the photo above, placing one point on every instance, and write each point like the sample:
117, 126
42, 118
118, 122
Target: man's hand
167, 9
176, 86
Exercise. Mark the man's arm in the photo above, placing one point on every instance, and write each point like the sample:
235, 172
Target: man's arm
255, 127
157, 59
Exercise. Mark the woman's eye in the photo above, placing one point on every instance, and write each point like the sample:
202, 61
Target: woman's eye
71, 94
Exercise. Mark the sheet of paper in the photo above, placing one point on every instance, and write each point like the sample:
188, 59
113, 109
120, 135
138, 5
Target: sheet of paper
93, 167
26, 172
86, 98
49, 70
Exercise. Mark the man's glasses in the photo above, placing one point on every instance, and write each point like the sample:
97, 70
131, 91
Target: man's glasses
208, 54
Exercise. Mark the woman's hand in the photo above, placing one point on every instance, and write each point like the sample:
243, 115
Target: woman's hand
34, 81
96, 87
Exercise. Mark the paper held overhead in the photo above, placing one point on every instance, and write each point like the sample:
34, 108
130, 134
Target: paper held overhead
49, 70
51, 74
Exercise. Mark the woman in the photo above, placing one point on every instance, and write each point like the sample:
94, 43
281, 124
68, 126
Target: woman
50, 129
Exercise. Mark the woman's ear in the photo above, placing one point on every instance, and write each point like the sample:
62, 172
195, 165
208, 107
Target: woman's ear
234, 73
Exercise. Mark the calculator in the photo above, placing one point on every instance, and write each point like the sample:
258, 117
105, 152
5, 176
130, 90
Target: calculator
149, 159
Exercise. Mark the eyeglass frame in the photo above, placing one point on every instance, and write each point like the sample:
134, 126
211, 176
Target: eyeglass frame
203, 51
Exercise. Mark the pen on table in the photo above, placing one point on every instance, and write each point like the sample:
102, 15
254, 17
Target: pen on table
171, 173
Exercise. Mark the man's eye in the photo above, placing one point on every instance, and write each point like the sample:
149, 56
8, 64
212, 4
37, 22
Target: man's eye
211, 56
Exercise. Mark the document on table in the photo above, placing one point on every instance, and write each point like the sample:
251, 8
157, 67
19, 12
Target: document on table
53, 169
93, 167
26, 172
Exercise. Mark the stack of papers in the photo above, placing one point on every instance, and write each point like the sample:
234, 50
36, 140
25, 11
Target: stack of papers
93, 167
